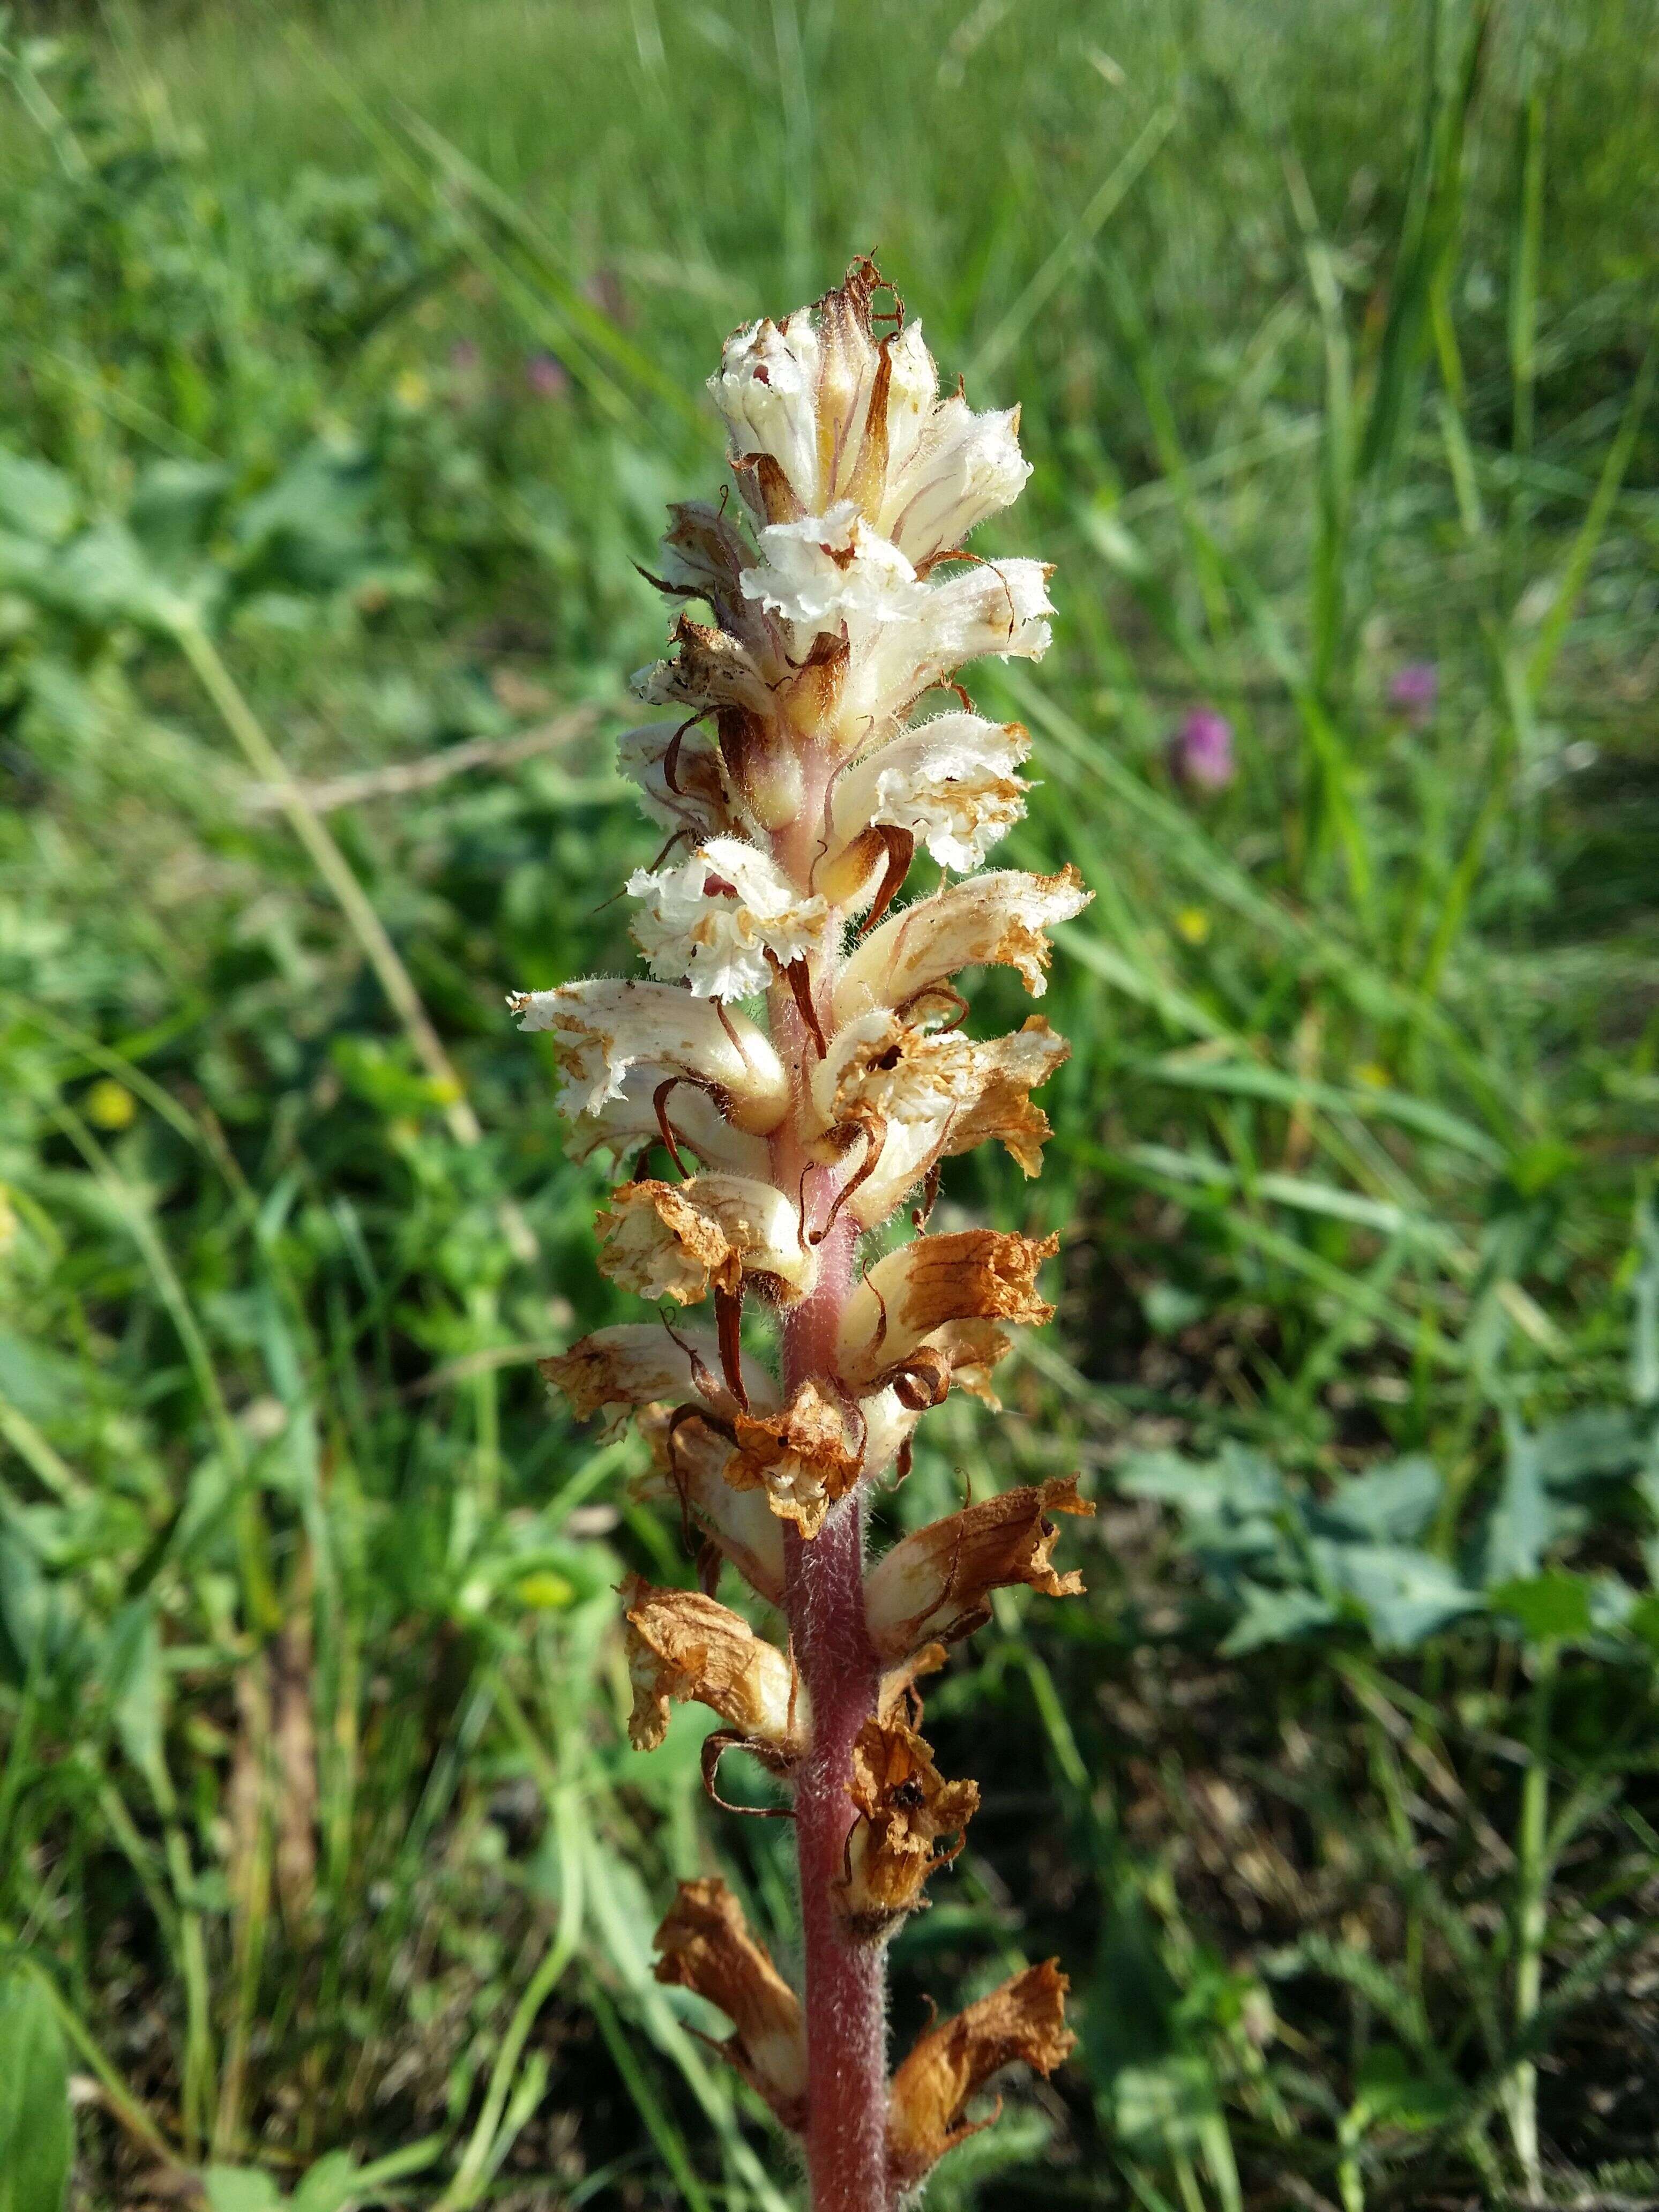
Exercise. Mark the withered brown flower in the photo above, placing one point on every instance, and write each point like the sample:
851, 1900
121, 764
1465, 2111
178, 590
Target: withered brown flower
936, 1581
1025, 2020
906, 1810
704, 1944
682, 1645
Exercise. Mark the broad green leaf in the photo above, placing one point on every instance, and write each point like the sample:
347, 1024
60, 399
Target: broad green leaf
1277, 1617
1550, 1608
1522, 1520
1599, 1441
36, 1378
380, 2172
174, 505
310, 528
336, 2183
104, 578
1390, 1504
1612, 1602
40, 1622
1169, 1479
330, 2185
37, 2129
1238, 1479
1404, 1594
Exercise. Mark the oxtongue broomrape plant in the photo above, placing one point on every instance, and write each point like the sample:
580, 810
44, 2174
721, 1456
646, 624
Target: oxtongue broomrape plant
798, 776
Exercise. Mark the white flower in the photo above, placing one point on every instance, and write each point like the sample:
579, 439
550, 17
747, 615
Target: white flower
796, 795
833, 574
606, 1026
951, 783
797, 397
906, 421
816, 403
715, 918
833, 568
995, 607
965, 467
997, 919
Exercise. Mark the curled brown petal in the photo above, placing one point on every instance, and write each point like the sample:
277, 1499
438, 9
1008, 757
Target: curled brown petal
1025, 2020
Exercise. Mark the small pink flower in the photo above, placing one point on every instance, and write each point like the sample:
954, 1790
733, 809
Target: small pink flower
547, 376
1414, 690
1201, 751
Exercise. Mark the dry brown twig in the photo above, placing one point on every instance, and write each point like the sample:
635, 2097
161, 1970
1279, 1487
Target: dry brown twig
399, 779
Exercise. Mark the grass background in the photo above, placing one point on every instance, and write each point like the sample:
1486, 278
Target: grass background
346, 359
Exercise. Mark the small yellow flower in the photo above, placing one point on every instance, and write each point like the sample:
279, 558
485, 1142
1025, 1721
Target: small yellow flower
111, 1105
412, 391
1373, 1075
1194, 924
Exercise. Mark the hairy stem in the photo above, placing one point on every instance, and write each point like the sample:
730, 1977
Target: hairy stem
846, 1983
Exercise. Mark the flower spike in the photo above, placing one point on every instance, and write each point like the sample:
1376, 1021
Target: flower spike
793, 1074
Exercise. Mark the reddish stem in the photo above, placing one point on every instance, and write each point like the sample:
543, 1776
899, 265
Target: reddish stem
846, 1982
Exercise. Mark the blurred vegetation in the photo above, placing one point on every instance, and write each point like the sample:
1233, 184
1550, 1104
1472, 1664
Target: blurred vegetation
346, 359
